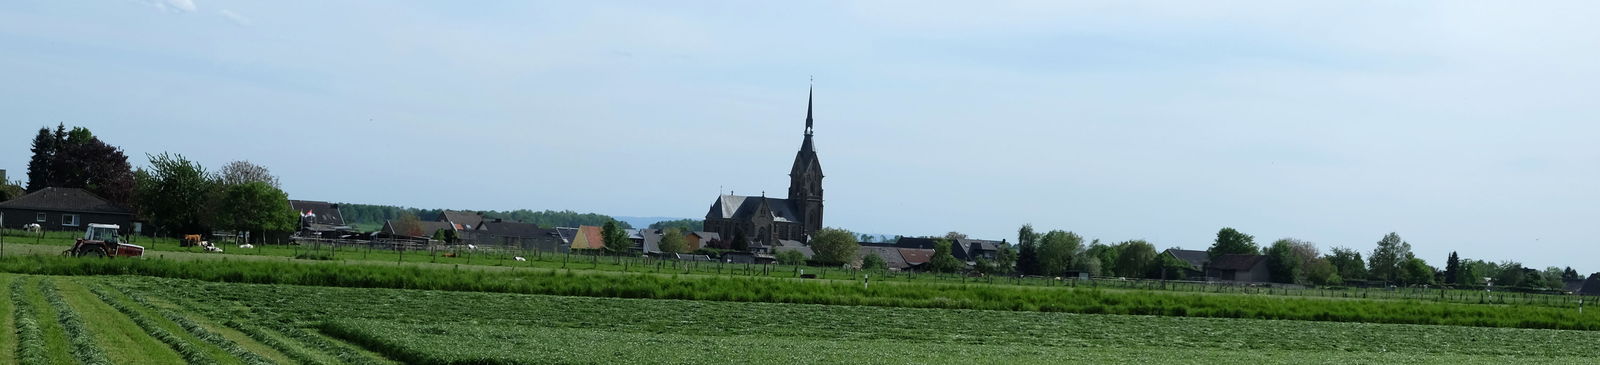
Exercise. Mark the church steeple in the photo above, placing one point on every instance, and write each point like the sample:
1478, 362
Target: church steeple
805, 178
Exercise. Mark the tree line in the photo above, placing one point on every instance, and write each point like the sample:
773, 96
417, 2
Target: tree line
370, 214
177, 195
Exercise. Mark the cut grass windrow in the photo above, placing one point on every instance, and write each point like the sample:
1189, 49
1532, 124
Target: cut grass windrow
203, 334
84, 347
260, 335
30, 338
190, 353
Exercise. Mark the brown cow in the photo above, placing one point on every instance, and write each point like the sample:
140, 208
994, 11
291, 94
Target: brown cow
190, 240
449, 254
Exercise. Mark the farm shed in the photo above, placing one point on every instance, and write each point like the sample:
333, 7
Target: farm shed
321, 219
1236, 267
63, 209
890, 255
1196, 259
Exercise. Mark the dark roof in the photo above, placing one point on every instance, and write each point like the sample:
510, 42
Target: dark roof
915, 256
64, 200
744, 207
427, 227
319, 212
804, 251
956, 249
567, 234
1237, 262
1592, 285
462, 220
890, 255
985, 245
1572, 286
516, 229
1195, 258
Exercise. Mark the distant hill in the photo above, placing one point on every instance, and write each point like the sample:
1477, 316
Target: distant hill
366, 216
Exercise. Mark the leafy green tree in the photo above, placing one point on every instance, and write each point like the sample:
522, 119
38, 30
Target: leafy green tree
834, 247
176, 194
1231, 241
873, 262
438, 235
673, 241
11, 190
791, 257
1005, 259
943, 260
1104, 255
1348, 263
1028, 251
1136, 259
1570, 274
953, 235
257, 208
1414, 271
1171, 268
616, 240
740, 243
1387, 259
1281, 261
242, 172
1322, 272
1511, 275
683, 225
1059, 252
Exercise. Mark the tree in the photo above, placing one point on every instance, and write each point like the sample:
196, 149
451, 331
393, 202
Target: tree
242, 172
673, 241
1321, 272
1387, 258
1231, 241
873, 262
1348, 263
1005, 258
1281, 261
684, 225
409, 225
1452, 268
943, 260
791, 257
1136, 259
1569, 274
176, 194
446, 236
1058, 252
1028, 251
257, 208
11, 190
1171, 268
44, 151
834, 247
1104, 255
740, 243
1414, 271
616, 240
1510, 275
953, 235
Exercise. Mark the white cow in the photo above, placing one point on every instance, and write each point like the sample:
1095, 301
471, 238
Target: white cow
519, 258
247, 246
32, 227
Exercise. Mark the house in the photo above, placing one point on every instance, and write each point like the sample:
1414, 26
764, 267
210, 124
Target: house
460, 220
915, 257
975, 249
1196, 259
1591, 286
391, 229
65, 209
527, 236
321, 219
588, 238
701, 239
1237, 267
792, 245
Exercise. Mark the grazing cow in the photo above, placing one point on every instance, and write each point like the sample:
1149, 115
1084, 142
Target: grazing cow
190, 240
519, 258
33, 227
449, 254
247, 246
471, 247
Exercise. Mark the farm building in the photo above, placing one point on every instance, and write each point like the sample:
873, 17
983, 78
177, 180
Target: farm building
702, 239
588, 238
966, 250
1591, 286
527, 236
1196, 259
63, 209
425, 229
321, 219
890, 255
460, 220
1235, 267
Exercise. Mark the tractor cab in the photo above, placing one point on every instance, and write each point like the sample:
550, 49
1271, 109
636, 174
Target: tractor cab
103, 233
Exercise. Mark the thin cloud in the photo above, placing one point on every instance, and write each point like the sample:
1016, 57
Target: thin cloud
234, 17
176, 6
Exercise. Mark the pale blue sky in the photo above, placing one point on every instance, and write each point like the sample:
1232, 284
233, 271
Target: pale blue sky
1461, 125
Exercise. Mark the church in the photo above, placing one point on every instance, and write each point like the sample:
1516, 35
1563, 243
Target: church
763, 221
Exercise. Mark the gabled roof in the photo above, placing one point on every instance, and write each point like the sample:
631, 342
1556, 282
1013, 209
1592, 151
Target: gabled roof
591, 235
64, 200
461, 219
890, 255
743, 207
427, 227
567, 234
985, 245
515, 229
957, 250
916, 256
1195, 258
318, 212
1237, 262
707, 237
1591, 286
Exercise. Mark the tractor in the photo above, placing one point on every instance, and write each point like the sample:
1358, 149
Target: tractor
101, 240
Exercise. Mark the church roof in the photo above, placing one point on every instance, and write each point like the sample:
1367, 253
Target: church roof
741, 207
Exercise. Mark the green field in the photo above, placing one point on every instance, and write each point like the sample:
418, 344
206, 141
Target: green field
132, 319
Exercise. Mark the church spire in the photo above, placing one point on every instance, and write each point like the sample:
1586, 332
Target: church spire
809, 93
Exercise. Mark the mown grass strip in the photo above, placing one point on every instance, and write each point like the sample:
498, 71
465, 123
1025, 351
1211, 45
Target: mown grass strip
30, 338
84, 347
296, 353
202, 333
191, 353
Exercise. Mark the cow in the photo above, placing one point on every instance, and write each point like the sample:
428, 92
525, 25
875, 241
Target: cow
247, 246
33, 227
519, 258
449, 254
190, 240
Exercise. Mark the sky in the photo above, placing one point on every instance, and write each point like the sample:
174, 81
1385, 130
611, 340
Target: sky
1463, 126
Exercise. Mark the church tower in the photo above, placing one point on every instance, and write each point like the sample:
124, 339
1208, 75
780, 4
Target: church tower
805, 181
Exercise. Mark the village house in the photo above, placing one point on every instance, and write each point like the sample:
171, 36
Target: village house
320, 219
1196, 259
517, 235
1242, 268
65, 209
